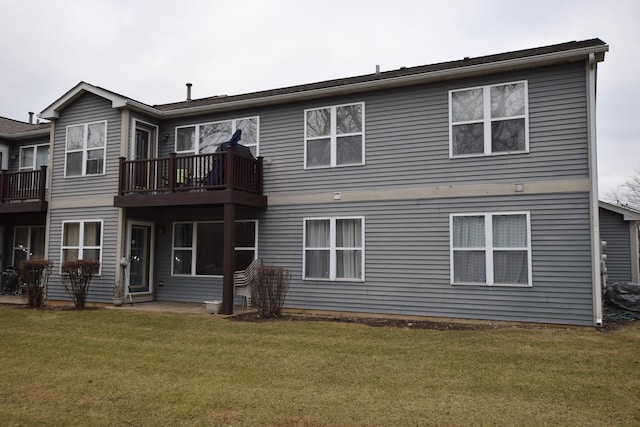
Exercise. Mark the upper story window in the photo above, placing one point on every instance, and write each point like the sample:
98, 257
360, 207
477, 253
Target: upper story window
205, 138
85, 149
492, 249
34, 156
489, 120
334, 136
334, 248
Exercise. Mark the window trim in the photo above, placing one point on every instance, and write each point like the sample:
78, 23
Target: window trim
332, 249
81, 247
333, 137
34, 148
234, 127
489, 250
194, 246
486, 97
84, 150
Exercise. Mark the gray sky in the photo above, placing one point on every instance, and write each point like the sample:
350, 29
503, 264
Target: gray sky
148, 49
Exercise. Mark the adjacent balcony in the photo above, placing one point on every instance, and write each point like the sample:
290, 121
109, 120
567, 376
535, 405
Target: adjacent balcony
201, 179
23, 192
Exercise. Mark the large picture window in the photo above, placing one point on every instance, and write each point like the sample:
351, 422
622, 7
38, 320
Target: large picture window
334, 136
334, 248
85, 149
491, 249
206, 138
198, 247
489, 120
81, 240
28, 243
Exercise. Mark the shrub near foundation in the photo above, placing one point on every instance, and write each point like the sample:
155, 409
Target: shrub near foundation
270, 290
34, 274
76, 278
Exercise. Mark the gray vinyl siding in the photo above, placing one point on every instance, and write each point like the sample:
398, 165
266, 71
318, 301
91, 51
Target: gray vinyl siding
407, 138
615, 230
408, 267
87, 109
101, 288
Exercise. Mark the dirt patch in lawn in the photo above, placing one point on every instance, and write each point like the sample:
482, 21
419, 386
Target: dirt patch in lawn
440, 325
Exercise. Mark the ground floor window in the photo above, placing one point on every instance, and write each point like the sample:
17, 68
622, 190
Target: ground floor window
81, 240
198, 247
28, 243
334, 248
491, 249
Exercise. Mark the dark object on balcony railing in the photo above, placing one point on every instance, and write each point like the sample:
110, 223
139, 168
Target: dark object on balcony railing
226, 170
23, 186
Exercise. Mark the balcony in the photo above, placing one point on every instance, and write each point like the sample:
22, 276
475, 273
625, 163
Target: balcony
23, 192
201, 179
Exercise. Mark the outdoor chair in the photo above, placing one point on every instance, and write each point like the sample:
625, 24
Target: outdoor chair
244, 280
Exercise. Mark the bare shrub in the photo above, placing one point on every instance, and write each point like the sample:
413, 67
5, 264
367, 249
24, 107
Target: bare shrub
76, 277
270, 290
34, 274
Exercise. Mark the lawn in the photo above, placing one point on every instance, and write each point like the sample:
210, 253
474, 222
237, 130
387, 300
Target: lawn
108, 367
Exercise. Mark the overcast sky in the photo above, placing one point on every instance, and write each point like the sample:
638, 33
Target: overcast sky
148, 49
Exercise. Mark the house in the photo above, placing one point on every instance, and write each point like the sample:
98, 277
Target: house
462, 189
619, 228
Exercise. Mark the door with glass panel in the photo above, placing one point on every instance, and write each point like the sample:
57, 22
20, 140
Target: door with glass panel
139, 277
143, 148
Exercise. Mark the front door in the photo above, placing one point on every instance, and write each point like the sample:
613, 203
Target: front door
140, 256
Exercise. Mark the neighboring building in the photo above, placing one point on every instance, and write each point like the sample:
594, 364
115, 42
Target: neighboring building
462, 189
24, 156
619, 228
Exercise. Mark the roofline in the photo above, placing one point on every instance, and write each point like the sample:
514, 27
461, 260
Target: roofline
628, 213
53, 110
270, 98
399, 81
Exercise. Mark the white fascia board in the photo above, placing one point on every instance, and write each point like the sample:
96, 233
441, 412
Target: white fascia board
25, 135
53, 111
628, 214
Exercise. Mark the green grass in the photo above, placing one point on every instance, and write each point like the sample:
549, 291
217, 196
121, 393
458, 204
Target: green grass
107, 367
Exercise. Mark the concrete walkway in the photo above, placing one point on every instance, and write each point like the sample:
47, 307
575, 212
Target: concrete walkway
157, 306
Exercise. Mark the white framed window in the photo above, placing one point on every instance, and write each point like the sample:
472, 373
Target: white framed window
85, 149
198, 247
82, 240
33, 156
333, 248
28, 243
492, 249
489, 120
206, 137
334, 136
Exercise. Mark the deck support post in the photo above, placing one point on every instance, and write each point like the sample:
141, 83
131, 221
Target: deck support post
229, 258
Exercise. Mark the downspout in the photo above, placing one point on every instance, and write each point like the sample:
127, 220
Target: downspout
593, 172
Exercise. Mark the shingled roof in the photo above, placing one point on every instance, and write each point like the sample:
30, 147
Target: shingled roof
443, 67
15, 127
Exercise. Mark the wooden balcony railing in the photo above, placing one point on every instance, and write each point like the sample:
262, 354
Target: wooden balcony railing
23, 186
199, 172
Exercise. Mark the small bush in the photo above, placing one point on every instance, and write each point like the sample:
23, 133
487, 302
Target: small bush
34, 274
76, 277
270, 290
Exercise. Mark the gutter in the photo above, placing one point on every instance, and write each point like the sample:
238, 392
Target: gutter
384, 83
26, 134
594, 205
